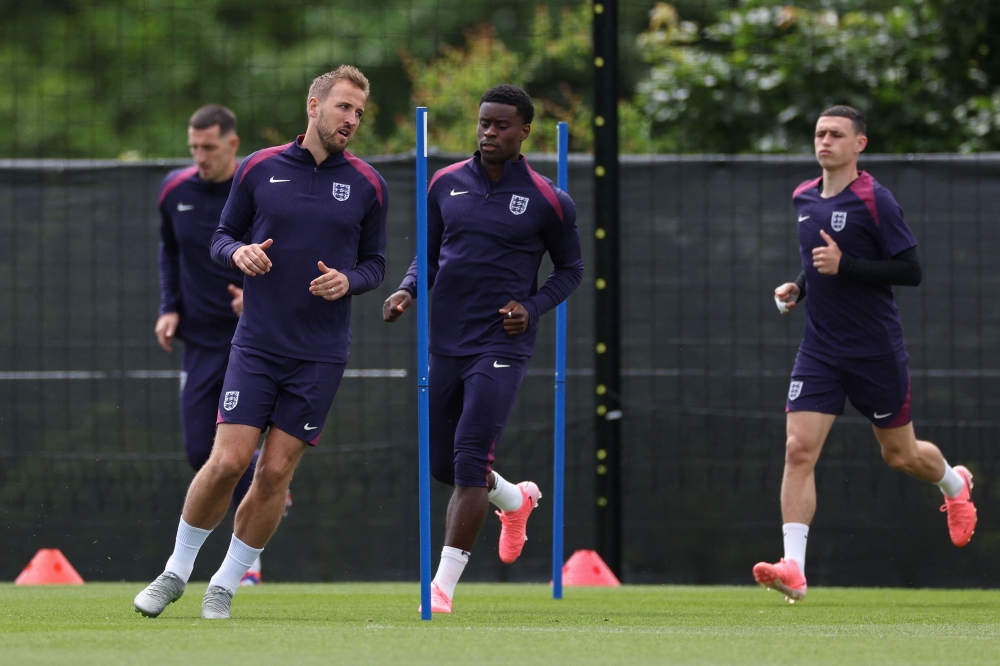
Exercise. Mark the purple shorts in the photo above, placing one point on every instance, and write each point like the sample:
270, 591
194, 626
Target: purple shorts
295, 395
471, 398
878, 387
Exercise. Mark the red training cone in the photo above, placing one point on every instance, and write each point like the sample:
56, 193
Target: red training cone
586, 567
49, 567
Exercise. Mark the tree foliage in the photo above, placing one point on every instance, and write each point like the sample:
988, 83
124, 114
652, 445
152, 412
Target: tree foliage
757, 77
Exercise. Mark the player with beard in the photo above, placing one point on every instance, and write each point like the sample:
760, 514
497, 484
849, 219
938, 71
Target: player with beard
490, 219
317, 220
854, 245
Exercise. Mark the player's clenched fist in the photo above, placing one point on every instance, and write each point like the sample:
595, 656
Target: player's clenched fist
786, 297
331, 285
251, 259
515, 318
396, 305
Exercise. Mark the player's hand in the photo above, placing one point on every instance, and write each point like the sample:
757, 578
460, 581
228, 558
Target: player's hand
396, 305
785, 297
331, 285
166, 328
515, 318
826, 258
237, 303
251, 259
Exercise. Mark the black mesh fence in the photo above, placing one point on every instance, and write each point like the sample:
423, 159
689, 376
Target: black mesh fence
90, 447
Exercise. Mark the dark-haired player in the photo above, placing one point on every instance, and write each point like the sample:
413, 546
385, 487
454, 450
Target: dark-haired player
855, 245
316, 215
490, 221
200, 301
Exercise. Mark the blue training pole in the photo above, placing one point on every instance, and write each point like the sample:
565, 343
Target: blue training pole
559, 449
423, 370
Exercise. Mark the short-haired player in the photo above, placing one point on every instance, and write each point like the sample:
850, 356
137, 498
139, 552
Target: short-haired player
316, 216
491, 218
855, 245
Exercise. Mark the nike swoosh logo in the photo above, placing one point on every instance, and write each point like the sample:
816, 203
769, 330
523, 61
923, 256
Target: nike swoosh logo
455, 194
803, 218
308, 428
497, 365
182, 207
882, 416
280, 181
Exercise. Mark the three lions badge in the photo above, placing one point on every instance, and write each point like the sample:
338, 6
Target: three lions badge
518, 204
341, 192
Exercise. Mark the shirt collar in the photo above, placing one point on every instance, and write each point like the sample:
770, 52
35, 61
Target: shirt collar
296, 151
518, 168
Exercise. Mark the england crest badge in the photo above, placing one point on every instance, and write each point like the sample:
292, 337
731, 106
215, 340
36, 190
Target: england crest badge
341, 192
229, 403
838, 221
794, 389
518, 204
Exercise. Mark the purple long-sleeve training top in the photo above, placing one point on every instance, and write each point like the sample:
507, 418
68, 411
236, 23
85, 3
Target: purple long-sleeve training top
191, 284
334, 212
485, 243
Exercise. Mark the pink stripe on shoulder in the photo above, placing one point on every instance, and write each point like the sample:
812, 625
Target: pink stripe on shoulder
445, 171
367, 172
260, 156
808, 185
546, 190
172, 184
864, 187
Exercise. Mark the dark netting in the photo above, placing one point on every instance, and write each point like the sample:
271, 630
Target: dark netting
90, 446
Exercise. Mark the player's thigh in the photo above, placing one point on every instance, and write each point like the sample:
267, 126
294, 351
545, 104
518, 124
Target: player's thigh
446, 393
279, 457
250, 388
805, 433
879, 388
204, 370
306, 393
491, 387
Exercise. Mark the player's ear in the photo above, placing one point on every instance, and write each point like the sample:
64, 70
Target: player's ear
312, 107
234, 142
862, 143
525, 131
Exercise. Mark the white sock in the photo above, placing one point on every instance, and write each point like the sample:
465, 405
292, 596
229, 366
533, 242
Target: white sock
796, 535
237, 562
189, 541
951, 484
505, 494
450, 568
255, 567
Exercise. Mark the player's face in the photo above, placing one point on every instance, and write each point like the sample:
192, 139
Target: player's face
837, 143
338, 116
501, 132
213, 153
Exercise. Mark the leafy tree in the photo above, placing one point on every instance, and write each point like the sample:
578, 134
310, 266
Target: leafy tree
757, 78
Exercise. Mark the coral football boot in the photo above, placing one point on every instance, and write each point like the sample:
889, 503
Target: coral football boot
515, 523
961, 511
440, 603
785, 577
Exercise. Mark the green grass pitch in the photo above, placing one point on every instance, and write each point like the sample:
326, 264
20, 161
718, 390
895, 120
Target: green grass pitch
359, 623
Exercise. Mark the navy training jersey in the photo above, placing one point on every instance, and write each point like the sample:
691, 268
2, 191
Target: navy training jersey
846, 318
191, 284
334, 212
485, 243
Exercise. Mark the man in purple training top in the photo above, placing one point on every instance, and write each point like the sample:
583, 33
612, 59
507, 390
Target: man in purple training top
490, 220
200, 301
316, 215
855, 245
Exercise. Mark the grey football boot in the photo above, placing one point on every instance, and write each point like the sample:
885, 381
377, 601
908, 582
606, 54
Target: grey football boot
215, 605
165, 590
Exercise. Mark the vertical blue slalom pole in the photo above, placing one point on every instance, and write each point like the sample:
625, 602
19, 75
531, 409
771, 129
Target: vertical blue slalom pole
423, 370
559, 449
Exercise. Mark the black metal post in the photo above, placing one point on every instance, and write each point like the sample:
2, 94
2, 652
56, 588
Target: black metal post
607, 384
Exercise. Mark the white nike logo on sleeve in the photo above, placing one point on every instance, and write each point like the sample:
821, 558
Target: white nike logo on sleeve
280, 181
181, 207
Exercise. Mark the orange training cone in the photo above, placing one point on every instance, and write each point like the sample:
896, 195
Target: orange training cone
49, 567
586, 567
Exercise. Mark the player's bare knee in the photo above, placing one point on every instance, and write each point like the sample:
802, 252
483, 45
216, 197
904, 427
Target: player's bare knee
799, 451
898, 459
